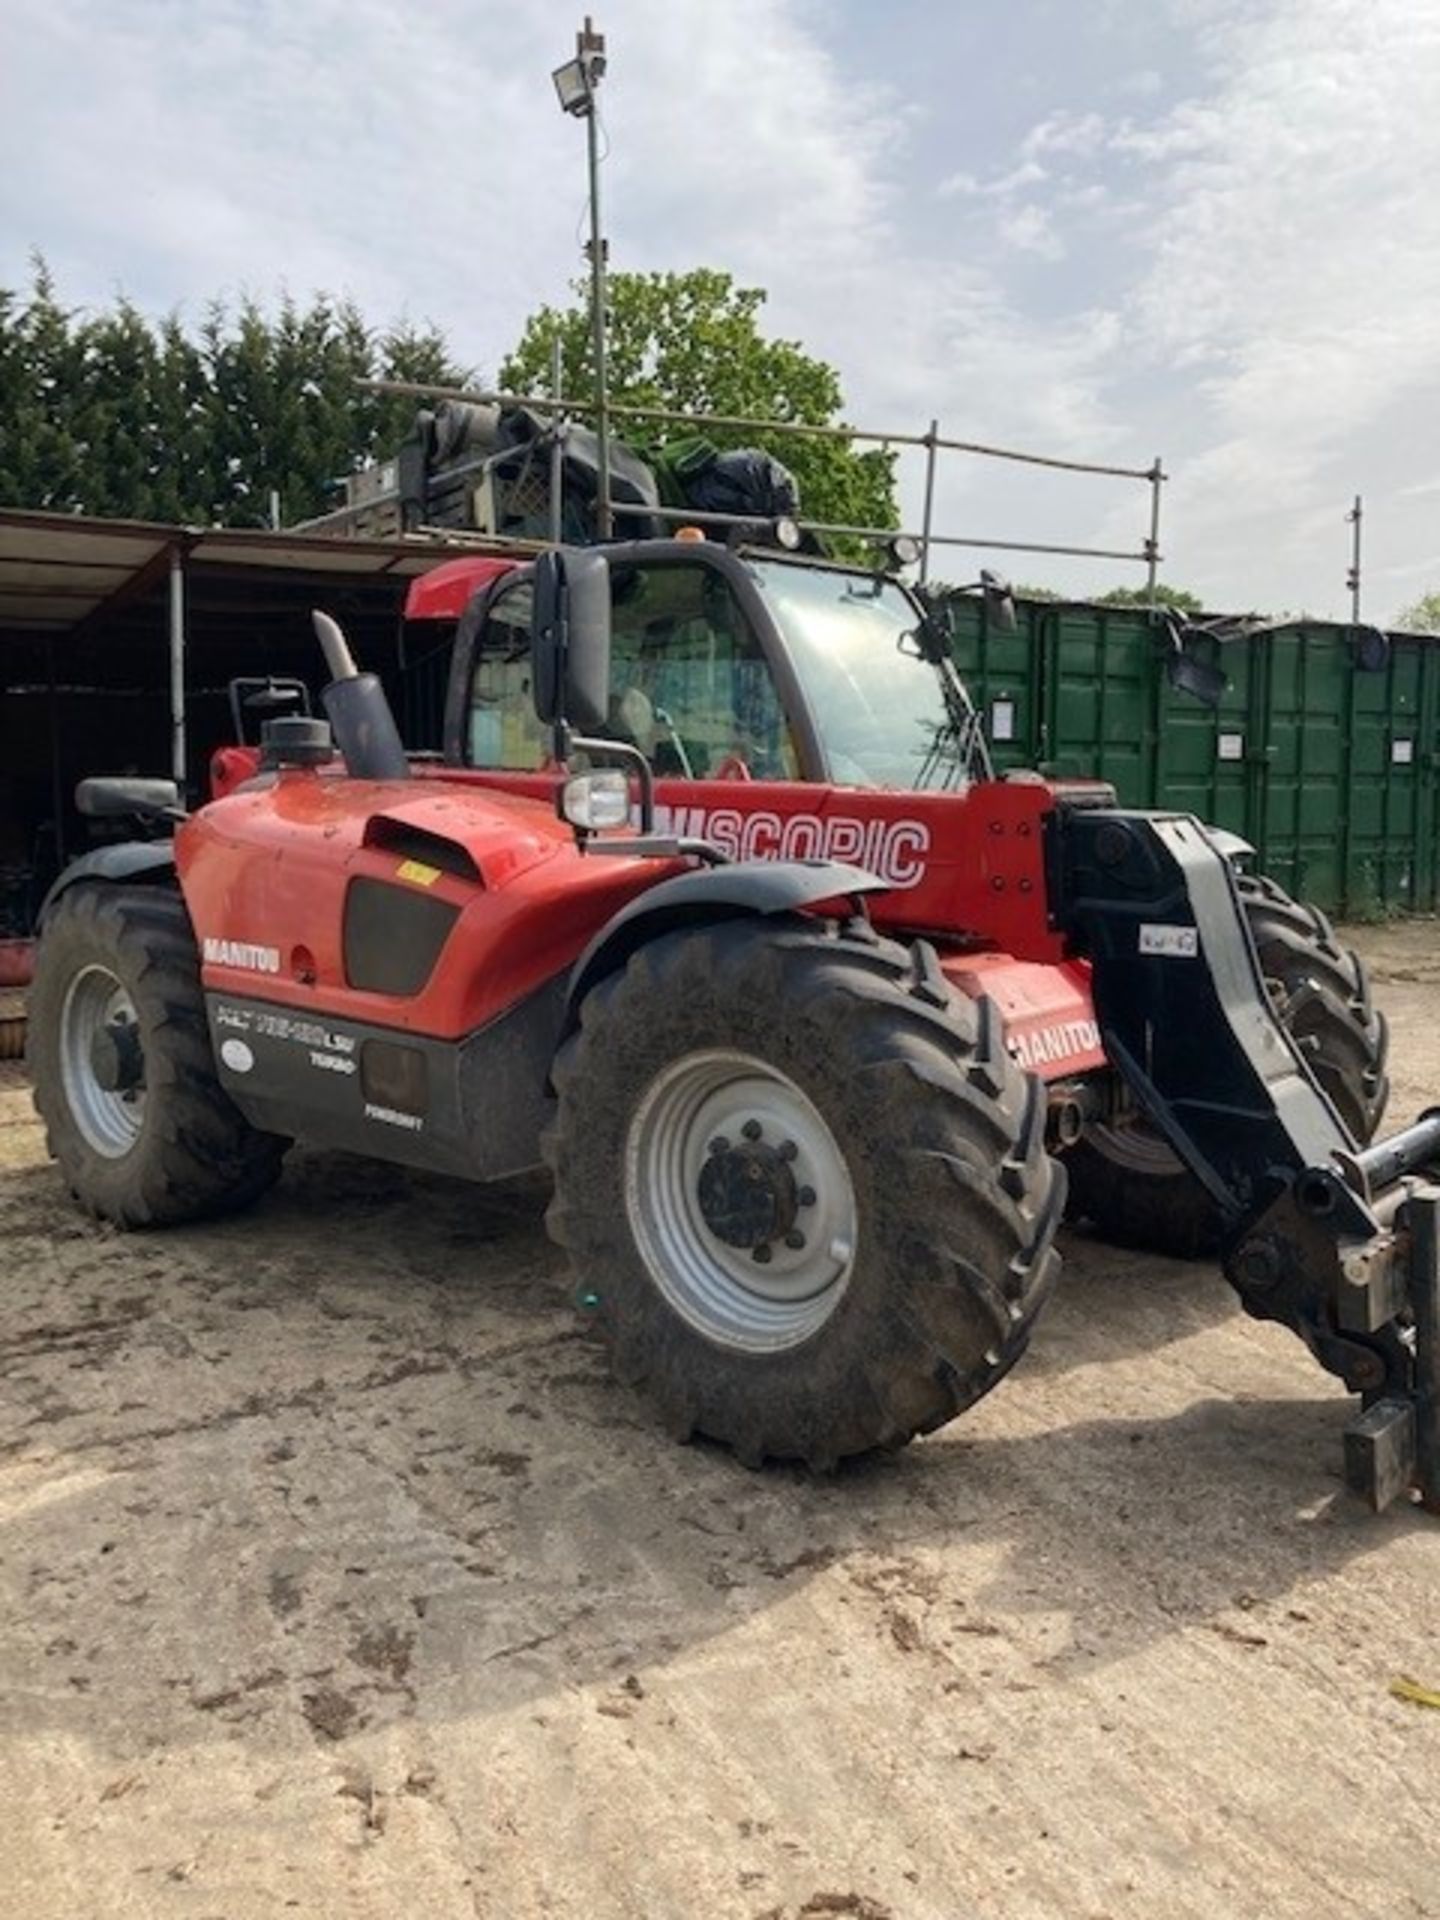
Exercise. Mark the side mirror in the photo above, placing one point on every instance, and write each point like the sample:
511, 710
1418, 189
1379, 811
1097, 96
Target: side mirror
1201, 681
570, 638
116, 799
999, 597
1372, 649
1184, 671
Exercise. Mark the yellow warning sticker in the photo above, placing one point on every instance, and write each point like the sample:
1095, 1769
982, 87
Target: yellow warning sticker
417, 873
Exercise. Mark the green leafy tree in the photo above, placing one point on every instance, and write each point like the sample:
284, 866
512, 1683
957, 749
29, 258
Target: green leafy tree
112, 413
691, 343
1424, 616
39, 379
1180, 598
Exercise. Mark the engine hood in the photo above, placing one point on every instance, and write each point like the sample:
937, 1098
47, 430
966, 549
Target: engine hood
490, 835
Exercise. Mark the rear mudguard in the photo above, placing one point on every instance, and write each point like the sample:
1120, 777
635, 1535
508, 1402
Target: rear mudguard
126, 860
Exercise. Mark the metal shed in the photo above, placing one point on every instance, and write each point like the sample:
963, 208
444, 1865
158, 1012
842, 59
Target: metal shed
118, 640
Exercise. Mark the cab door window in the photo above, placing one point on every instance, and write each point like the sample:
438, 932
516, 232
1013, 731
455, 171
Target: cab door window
689, 684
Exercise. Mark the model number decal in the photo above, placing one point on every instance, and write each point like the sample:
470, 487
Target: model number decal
284, 1026
243, 954
1171, 943
894, 849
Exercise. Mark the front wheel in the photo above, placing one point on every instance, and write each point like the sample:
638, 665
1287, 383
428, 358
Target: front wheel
1129, 1181
804, 1187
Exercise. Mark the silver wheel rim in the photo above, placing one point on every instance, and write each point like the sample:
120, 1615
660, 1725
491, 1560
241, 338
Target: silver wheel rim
777, 1291
110, 1121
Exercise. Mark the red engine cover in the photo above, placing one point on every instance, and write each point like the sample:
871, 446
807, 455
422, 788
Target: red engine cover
266, 873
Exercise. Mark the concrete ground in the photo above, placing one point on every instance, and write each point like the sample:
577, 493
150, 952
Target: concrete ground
338, 1580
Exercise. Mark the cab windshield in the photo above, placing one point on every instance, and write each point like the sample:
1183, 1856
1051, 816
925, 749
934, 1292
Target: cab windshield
886, 715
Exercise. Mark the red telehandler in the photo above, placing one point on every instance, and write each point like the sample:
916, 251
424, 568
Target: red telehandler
711, 901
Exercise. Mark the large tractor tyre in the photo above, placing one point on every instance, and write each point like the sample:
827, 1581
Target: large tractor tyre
120, 1057
1131, 1184
804, 1187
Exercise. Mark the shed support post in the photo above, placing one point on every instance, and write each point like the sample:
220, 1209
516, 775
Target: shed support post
177, 668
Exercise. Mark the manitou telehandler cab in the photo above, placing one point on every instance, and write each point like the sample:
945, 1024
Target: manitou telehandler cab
714, 905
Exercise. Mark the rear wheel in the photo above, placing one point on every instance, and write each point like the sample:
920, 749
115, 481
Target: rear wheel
1133, 1186
804, 1187
120, 1058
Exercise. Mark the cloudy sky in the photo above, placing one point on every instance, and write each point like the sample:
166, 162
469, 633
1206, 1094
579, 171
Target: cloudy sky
1105, 229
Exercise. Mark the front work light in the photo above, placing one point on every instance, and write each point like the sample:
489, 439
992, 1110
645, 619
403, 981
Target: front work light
786, 533
596, 801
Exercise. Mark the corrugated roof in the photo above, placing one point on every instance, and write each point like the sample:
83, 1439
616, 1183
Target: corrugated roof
56, 569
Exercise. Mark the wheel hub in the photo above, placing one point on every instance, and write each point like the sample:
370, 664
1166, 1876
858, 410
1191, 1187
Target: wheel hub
102, 1061
748, 1194
741, 1201
116, 1058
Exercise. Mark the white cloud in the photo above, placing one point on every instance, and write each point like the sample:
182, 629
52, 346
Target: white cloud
1298, 270
1029, 229
1029, 173
1066, 132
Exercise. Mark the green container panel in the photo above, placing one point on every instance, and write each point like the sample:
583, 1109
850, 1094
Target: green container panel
1004, 672
1328, 768
1101, 713
1205, 757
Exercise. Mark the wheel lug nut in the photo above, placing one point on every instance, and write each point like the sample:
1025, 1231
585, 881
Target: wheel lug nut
719, 1144
761, 1253
752, 1129
788, 1150
806, 1196
794, 1240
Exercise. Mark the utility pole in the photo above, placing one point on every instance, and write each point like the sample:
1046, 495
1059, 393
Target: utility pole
576, 84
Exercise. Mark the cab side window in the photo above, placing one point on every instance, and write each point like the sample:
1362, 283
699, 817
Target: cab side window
502, 731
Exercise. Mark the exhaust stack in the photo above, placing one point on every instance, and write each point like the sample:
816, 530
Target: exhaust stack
365, 730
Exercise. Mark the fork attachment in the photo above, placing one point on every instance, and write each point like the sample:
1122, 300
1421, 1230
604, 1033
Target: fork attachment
1340, 1244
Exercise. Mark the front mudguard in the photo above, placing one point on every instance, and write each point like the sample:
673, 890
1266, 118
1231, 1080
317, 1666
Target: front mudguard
759, 887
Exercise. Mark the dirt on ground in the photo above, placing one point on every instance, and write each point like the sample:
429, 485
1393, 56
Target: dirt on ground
339, 1580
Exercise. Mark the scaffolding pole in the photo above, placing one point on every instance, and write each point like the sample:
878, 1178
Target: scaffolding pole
932, 440
1352, 578
1156, 477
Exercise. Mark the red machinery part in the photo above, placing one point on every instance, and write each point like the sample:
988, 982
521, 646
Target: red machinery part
1047, 1011
17, 963
445, 591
